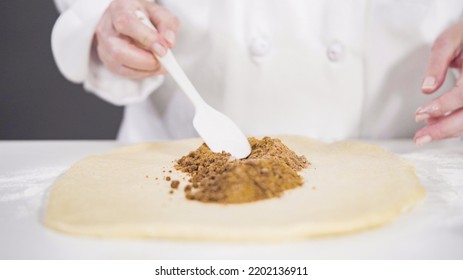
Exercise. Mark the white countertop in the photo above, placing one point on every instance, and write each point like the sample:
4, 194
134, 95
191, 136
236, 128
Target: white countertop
433, 230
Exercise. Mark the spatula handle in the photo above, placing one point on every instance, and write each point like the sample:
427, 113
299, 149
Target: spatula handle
171, 65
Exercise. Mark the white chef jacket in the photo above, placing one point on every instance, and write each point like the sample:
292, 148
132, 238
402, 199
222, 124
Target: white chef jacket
325, 69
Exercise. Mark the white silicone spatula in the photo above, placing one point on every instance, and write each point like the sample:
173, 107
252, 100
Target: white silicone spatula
218, 131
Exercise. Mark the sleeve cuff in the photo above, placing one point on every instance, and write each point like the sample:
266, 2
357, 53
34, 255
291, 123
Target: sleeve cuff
72, 37
71, 42
115, 89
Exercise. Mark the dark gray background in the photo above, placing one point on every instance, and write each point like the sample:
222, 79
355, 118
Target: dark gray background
36, 102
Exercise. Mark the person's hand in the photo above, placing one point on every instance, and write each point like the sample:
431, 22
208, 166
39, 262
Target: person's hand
125, 45
443, 115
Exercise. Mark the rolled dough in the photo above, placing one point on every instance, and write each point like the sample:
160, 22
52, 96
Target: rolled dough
349, 186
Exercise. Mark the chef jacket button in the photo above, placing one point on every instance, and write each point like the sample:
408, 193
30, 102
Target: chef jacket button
260, 47
335, 51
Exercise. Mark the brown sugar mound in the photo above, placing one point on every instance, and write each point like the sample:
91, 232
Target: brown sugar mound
267, 172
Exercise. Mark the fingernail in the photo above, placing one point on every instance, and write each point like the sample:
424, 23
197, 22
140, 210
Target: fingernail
421, 117
423, 140
429, 83
159, 49
170, 36
428, 109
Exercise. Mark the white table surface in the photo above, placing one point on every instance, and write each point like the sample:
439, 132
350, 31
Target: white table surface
433, 230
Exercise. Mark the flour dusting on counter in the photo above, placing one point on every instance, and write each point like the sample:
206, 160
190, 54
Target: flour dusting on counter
25, 189
441, 171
